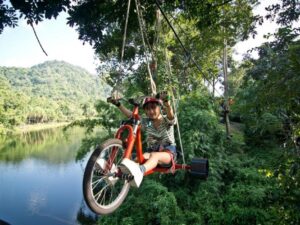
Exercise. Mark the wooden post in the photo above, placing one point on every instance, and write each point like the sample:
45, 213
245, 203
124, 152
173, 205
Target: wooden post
226, 105
214, 86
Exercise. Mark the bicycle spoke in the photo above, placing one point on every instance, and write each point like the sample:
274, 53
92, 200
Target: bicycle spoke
100, 192
111, 193
97, 182
104, 195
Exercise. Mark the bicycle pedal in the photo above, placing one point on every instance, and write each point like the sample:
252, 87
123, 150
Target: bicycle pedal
128, 177
99, 172
124, 176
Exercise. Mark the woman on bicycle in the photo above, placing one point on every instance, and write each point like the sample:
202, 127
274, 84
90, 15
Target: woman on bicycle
159, 129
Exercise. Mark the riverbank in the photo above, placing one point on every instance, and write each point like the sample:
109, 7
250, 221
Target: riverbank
40, 126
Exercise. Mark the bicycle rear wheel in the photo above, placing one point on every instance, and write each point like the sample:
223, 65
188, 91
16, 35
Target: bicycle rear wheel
102, 191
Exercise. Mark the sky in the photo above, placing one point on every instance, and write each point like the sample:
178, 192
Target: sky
19, 47
242, 47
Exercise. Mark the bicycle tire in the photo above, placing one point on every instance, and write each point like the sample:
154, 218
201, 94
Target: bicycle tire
91, 176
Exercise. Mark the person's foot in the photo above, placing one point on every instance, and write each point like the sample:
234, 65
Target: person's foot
130, 167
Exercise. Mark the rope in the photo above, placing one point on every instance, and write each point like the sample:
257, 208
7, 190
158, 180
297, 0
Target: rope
151, 48
144, 28
175, 110
178, 128
152, 83
125, 31
115, 91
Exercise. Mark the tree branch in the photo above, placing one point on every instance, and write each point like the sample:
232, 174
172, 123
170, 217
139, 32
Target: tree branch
221, 4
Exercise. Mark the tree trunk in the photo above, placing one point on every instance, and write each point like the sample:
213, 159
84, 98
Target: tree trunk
226, 105
214, 86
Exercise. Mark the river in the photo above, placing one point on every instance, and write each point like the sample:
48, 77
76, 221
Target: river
40, 180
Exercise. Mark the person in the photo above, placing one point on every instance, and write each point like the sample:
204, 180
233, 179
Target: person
159, 129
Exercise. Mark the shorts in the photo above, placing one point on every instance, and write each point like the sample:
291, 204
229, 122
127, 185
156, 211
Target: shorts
167, 148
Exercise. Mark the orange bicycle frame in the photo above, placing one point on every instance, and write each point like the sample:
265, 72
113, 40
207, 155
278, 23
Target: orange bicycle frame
134, 139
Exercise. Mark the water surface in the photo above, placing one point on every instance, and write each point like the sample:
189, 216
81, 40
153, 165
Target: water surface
40, 181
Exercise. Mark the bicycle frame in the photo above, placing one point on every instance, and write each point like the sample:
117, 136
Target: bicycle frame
134, 138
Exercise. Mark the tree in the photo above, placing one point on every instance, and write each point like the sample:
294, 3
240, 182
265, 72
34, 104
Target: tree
12, 106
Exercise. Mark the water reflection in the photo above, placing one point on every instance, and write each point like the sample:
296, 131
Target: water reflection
53, 145
40, 181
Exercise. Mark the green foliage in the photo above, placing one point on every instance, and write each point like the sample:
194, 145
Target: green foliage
288, 10
107, 118
199, 124
268, 104
11, 106
36, 11
52, 91
154, 205
202, 23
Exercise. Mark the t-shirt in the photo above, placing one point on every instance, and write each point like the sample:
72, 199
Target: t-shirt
163, 135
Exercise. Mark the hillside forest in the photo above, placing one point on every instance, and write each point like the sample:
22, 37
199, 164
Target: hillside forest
53, 91
255, 168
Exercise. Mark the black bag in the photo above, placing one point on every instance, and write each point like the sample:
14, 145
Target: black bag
199, 168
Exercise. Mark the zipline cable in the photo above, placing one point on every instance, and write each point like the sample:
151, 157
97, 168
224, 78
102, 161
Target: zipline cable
181, 44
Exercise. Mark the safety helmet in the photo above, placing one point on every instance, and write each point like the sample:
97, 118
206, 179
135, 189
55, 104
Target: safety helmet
151, 99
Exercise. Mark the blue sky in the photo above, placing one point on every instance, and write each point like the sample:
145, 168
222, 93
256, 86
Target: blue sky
19, 47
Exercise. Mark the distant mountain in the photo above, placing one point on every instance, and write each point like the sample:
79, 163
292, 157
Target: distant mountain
55, 80
51, 91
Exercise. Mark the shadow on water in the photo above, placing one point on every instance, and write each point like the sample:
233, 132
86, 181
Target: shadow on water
84, 217
2, 222
46, 165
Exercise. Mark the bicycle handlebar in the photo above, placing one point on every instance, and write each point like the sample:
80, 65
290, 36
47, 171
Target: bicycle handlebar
132, 101
137, 101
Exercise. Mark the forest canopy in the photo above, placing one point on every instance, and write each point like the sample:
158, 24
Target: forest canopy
255, 173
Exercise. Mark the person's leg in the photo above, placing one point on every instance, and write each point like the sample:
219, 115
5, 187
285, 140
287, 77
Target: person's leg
147, 155
128, 166
157, 158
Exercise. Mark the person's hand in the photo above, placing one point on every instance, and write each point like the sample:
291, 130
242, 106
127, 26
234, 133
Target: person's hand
164, 96
113, 101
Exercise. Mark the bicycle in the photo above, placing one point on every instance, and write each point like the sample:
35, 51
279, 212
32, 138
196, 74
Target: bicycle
104, 185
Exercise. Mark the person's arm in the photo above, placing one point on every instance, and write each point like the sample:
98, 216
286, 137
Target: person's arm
166, 102
169, 110
125, 111
118, 104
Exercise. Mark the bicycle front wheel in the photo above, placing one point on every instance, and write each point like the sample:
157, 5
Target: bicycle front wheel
102, 191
